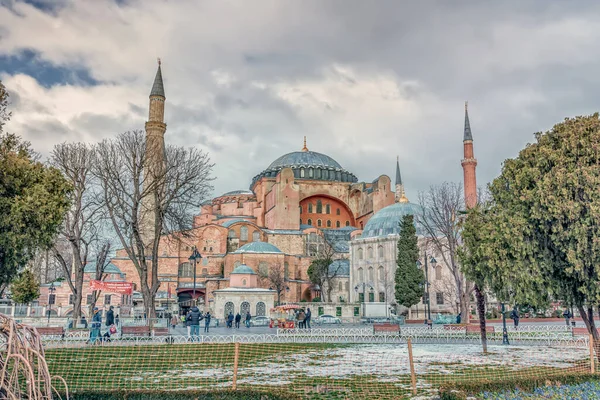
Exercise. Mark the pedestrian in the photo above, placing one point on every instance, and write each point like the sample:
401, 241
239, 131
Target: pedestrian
194, 317
459, 318
238, 318
230, 320
174, 321
207, 318
248, 317
515, 317
301, 317
567, 316
307, 318
84, 322
110, 316
117, 320
95, 326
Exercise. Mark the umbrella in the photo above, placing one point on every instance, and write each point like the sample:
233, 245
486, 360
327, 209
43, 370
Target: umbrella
289, 307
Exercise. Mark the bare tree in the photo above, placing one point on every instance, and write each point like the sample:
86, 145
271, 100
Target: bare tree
275, 277
447, 287
130, 182
441, 208
102, 262
323, 270
387, 283
82, 223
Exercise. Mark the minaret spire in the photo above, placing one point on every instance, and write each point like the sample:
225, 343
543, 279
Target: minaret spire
469, 164
305, 148
158, 87
400, 196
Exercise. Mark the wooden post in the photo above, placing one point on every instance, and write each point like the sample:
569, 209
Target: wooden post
592, 356
236, 357
413, 376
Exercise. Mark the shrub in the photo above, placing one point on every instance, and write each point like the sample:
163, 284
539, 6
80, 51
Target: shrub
316, 300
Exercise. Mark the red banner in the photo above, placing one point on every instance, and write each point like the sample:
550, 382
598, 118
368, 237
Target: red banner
112, 287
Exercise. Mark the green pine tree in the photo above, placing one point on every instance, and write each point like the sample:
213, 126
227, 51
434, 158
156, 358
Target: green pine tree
25, 288
409, 278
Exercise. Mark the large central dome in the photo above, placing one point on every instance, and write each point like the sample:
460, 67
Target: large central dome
308, 165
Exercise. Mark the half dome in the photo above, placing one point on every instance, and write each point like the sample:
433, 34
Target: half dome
258, 248
387, 220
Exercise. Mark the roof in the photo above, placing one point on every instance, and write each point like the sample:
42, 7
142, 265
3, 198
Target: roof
237, 192
340, 267
304, 158
227, 224
338, 239
259, 248
398, 176
90, 268
158, 88
387, 220
243, 269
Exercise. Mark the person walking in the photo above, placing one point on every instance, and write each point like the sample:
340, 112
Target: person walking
515, 317
567, 316
110, 316
230, 320
194, 317
459, 318
174, 321
301, 317
207, 318
307, 318
117, 320
95, 326
248, 318
238, 318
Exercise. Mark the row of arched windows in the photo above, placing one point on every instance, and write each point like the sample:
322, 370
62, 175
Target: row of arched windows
328, 223
369, 252
319, 208
244, 308
244, 234
186, 270
371, 274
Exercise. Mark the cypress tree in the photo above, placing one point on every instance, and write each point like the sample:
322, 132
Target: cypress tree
409, 278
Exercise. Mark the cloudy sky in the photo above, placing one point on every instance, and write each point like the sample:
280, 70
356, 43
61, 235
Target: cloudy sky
363, 80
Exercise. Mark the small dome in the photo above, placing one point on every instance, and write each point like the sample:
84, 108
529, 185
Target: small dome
258, 247
243, 269
238, 192
90, 268
387, 220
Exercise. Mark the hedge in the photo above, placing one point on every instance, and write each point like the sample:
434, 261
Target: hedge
462, 390
182, 395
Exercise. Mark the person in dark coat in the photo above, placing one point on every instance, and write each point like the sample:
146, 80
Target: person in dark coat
238, 318
230, 320
248, 318
207, 318
459, 318
110, 316
307, 318
567, 316
95, 326
515, 317
194, 317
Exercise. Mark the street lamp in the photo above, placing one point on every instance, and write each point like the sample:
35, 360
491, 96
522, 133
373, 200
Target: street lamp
426, 294
51, 298
194, 259
504, 330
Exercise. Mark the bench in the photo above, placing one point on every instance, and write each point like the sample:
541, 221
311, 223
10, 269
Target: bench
386, 328
161, 331
477, 329
582, 331
51, 331
142, 330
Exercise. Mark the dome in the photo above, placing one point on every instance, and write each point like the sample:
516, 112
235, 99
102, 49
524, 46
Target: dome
243, 269
387, 220
258, 247
238, 192
90, 268
308, 165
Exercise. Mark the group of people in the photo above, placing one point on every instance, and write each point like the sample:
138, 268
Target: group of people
303, 318
237, 319
192, 321
96, 325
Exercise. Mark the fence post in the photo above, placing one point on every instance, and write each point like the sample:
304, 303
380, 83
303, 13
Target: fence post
413, 376
236, 357
592, 357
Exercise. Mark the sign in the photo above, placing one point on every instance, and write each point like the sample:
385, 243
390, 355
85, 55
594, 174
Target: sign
112, 287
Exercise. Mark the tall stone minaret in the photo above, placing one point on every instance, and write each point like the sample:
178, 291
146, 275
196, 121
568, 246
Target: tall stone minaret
400, 195
469, 163
155, 154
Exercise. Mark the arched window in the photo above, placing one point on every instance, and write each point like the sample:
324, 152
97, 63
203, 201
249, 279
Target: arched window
361, 275
261, 309
347, 223
319, 207
318, 222
340, 285
337, 212
256, 236
231, 234
438, 272
380, 273
337, 224
244, 233
244, 308
244, 282
263, 268
371, 274
286, 270
236, 264
370, 253
186, 270
360, 253
204, 271
309, 222
327, 209
328, 223
310, 172
310, 208
229, 308
301, 172
380, 252
347, 286
300, 209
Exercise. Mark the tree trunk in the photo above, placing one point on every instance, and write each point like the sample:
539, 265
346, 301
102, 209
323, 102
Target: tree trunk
481, 313
588, 320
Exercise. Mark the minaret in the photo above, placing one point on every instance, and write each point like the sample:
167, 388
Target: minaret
155, 153
400, 195
469, 163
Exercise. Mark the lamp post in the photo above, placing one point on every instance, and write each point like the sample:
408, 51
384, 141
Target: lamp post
51, 290
364, 289
194, 259
504, 330
426, 294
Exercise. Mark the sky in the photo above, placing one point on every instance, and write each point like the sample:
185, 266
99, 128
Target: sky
364, 81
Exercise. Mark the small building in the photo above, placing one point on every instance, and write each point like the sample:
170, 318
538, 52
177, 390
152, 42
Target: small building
243, 295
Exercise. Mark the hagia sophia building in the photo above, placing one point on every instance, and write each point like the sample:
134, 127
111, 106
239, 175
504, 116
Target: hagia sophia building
301, 204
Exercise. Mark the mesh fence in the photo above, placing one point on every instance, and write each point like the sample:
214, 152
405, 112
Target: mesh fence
317, 364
